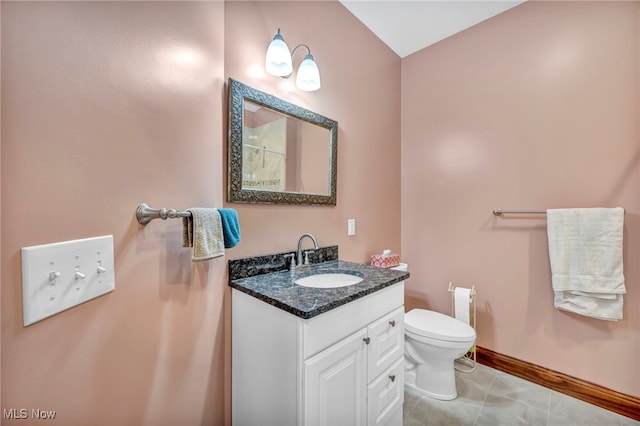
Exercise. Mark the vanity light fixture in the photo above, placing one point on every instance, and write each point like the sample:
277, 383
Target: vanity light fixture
278, 62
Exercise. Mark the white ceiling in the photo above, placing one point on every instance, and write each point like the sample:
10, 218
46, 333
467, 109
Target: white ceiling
408, 26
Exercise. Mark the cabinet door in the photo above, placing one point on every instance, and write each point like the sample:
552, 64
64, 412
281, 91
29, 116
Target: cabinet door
387, 342
335, 384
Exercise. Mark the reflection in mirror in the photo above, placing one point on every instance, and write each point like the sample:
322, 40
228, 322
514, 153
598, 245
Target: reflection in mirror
279, 152
282, 153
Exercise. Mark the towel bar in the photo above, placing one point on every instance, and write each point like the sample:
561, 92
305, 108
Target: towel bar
146, 214
500, 212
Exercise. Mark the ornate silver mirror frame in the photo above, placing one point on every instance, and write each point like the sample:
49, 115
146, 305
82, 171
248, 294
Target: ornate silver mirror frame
239, 96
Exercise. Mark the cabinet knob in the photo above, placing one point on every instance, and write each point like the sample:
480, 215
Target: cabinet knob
392, 377
366, 340
392, 323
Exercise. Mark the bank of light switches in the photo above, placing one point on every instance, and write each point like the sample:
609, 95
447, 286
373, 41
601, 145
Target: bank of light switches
59, 276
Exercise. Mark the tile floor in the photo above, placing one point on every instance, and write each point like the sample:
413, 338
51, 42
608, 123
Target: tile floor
493, 398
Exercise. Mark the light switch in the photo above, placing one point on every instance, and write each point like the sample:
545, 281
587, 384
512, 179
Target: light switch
59, 276
351, 227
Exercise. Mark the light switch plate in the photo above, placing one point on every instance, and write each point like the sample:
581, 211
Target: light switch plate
351, 227
59, 276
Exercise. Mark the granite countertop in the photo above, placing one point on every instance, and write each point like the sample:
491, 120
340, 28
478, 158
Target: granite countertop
278, 288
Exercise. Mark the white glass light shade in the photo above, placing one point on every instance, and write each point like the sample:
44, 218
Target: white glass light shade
308, 76
278, 59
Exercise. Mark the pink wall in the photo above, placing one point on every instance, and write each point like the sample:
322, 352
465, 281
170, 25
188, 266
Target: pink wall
1, 327
107, 105
365, 104
536, 108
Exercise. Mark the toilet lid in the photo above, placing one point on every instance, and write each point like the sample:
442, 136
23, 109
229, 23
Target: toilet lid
437, 326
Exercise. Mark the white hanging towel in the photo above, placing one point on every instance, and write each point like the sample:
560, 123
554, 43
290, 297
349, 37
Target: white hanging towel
203, 231
585, 250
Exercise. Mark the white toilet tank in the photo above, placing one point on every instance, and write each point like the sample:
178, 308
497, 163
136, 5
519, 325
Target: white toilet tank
401, 267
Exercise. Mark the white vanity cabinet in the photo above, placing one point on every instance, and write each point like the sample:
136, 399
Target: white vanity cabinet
342, 367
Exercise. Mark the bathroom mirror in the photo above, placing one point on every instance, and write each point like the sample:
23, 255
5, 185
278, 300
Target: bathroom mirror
279, 152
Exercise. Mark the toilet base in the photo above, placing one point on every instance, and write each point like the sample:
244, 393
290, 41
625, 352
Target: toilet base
440, 397
435, 381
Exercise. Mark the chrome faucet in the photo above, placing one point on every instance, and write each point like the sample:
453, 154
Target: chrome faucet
299, 252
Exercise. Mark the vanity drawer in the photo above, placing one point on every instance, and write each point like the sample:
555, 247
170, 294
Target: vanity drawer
387, 342
330, 327
385, 396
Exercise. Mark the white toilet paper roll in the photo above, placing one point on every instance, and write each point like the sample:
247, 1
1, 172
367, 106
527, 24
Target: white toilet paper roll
462, 299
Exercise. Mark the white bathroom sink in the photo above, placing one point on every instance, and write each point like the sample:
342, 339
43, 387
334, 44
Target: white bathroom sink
328, 280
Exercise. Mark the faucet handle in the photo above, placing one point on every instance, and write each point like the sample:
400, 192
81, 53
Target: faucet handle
306, 256
292, 264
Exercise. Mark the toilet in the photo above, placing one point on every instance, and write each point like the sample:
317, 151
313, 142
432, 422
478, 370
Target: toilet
432, 342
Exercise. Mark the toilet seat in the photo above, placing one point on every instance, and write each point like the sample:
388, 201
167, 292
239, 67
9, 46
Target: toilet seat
434, 325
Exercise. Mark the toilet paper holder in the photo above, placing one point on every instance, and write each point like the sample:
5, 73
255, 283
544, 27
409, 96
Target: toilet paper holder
452, 289
470, 356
